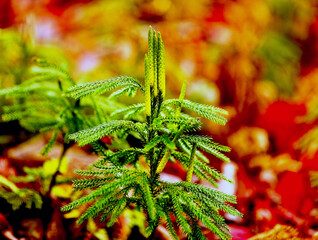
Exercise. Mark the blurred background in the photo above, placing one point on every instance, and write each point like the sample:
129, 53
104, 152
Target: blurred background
258, 59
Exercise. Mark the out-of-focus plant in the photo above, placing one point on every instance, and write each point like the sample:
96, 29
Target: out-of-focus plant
17, 196
16, 53
281, 61
166, 134
39, 104
18, 48
44, 174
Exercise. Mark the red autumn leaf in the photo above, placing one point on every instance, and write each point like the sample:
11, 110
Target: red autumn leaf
309, 60
293, 190
58, 7
280, 121
310, 163
4, 224
6, 14
240, 232
107, 140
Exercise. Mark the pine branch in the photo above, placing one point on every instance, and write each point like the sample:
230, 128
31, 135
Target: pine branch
211, 147
24, 89
209, 112
170, 227
93, 134
148, 197
51, 70
187, 123
99, 87
50, 143
106, 191
122, 157
179, 211
129, 112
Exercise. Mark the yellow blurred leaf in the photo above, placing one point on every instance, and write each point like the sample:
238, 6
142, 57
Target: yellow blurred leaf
51, 165
99, 233
62, 191
249, 140
75, 213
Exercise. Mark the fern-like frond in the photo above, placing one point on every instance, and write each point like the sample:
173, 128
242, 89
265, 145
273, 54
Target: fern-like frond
106, 191
187, 123
50, 143
130, 111
201, 170
211, 148
129, 91
148, 197
186, 148
93, 134
208, 192
106, 170
23, 90
201, 203
194, 210
103, 203
209, 112
169, 225
206, 142
118, 209
91, 183
179, 211
99, 87
197, 231
121, 157
51, 70
160, 139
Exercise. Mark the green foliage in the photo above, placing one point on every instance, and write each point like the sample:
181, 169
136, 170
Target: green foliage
49, 100
44, 174
40, 105
163, 134
209, 112
18, 196
93, 134
96, 88
281, 67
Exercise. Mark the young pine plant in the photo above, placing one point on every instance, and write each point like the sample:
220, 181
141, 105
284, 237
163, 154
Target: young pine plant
165, 134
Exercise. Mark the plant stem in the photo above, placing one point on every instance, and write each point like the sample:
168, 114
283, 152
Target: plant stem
152, 236
47, 201
57, 172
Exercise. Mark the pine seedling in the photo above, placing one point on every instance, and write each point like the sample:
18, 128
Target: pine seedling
165, 134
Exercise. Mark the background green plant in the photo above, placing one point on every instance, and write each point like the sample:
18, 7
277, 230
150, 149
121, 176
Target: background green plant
39, 104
